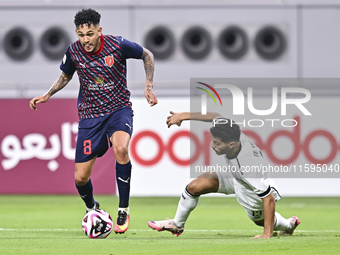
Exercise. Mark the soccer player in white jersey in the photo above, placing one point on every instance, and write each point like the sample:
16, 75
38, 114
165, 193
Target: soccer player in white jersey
256, 193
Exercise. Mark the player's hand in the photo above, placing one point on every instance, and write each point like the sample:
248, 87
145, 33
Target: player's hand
260, 236
150, 95
38, 100
174, 119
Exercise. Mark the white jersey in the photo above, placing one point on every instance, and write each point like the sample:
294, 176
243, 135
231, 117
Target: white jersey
249, 185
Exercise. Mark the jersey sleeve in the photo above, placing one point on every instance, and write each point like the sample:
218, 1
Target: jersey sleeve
130, 49
259, 185
67, 65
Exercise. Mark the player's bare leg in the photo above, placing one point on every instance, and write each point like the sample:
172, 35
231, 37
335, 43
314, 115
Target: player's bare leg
84, 185
204, 184
120, 141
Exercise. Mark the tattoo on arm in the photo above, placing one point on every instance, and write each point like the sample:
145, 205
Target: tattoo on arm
59, 84
149, 65
149, 89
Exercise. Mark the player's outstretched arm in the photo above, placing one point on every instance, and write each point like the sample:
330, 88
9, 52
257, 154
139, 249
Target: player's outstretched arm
149, 66
60, 83
177, 118
269, 216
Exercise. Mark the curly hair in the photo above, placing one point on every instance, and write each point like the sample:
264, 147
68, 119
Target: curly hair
225, 129
87, 17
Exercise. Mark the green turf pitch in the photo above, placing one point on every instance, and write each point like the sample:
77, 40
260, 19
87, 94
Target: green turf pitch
52, 225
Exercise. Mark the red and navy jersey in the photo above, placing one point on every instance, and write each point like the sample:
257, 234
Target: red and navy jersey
102, 75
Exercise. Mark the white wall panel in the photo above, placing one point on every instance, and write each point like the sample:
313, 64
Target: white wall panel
179, 68
320, 42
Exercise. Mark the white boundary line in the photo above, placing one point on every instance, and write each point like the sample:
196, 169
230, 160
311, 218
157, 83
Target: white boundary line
188, 230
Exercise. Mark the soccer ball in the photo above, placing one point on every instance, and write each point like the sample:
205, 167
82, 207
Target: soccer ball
97, 224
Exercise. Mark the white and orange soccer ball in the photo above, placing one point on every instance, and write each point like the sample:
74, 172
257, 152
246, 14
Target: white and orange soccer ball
97, 224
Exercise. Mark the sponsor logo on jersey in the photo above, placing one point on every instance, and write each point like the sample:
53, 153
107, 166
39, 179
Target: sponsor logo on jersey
99, 79
109, 61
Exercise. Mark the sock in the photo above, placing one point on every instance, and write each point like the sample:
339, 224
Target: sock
281, 223
186, 204
86, 193
123, 177
124, 209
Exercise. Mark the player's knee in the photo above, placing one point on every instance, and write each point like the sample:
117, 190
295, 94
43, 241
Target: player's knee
194, 188
202, 186
81, 180
121, 152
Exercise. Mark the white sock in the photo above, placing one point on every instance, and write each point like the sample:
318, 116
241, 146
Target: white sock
124, 209
186, 204
281, 223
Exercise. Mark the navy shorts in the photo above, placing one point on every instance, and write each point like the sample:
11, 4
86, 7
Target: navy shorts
94, 134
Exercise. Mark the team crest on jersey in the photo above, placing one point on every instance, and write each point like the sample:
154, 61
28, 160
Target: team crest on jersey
109, 61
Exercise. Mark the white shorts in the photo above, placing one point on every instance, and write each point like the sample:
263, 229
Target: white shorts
251, 202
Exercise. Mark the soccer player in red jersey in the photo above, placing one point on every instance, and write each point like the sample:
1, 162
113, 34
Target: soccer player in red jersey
104, 106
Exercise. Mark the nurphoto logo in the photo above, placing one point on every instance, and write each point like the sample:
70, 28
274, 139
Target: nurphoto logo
239, 99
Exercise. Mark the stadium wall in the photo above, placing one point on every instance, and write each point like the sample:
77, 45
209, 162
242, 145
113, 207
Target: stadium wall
250, 39
189, 40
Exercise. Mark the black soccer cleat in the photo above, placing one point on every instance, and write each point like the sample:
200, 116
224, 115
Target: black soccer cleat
122, 222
